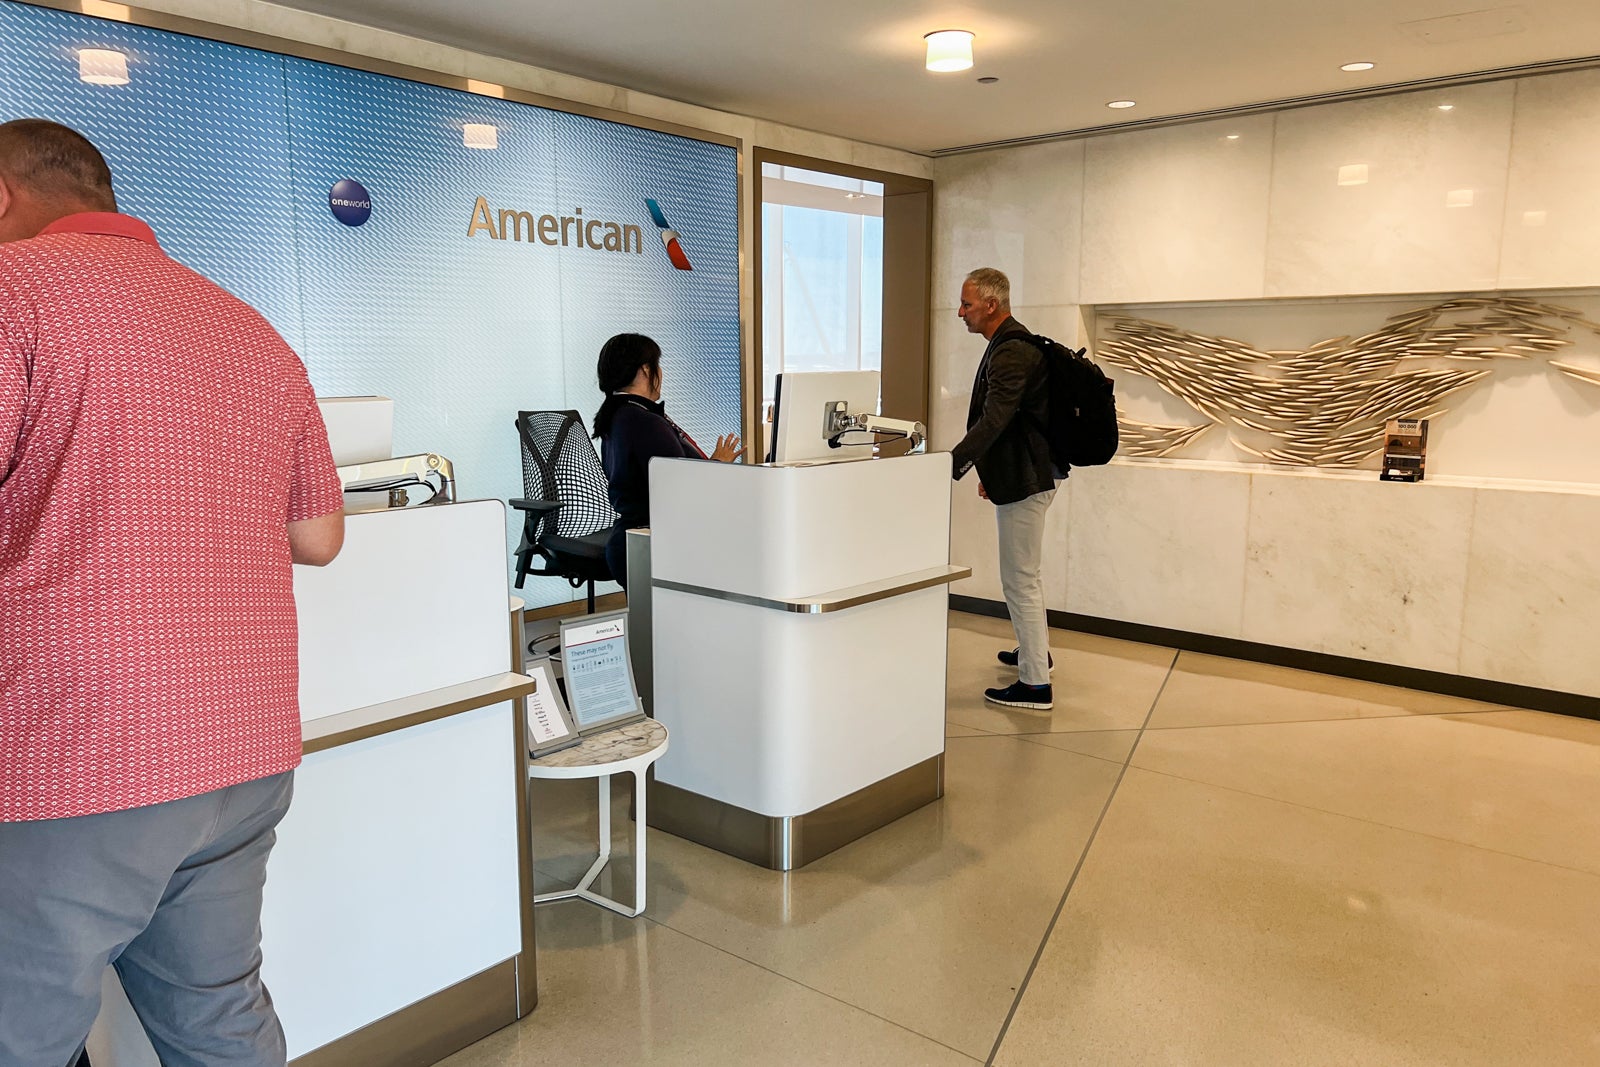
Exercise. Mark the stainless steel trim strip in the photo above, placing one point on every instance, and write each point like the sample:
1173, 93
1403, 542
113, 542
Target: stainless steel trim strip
788, 842
429, 1030
212, 31
527, 959
331, 731
785, 839
641, 645
838, 599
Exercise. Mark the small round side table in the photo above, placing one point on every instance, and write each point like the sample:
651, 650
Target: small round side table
627, 749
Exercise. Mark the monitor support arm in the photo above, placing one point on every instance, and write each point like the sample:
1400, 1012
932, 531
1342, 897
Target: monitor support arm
401, 473
837, 421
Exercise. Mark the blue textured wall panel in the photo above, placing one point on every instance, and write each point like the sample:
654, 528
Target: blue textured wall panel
231, 153
196, 142
611, 170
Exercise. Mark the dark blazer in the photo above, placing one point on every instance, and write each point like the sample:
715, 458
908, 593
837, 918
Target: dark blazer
1005, 423
632, 432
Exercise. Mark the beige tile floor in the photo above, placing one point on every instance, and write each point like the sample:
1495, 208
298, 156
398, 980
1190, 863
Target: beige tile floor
1191, 861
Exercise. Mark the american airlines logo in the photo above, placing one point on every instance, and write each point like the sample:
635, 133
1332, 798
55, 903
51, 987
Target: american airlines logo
669, 237
572, 231
568, 231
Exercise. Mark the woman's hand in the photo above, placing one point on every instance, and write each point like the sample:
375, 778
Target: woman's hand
727, 449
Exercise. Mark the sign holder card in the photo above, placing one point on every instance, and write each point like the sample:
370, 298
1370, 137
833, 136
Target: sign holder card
599, 672
550, 725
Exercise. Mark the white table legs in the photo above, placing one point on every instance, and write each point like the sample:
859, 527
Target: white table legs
582, 890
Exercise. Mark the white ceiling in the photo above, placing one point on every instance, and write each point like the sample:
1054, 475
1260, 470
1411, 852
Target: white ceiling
854, 68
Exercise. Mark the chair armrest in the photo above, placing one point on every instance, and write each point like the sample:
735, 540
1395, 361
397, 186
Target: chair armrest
539, 507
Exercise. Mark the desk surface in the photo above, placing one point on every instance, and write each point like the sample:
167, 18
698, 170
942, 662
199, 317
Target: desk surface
331, 731
610, 752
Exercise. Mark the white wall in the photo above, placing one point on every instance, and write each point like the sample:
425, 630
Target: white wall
1188, 214
1470, 574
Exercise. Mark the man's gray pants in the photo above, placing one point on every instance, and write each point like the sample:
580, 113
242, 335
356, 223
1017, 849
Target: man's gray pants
1021, 529
170, 895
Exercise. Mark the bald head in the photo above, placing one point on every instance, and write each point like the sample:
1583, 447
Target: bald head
48, 171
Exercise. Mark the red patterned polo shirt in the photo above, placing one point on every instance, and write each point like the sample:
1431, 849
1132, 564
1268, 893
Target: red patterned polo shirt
156, 436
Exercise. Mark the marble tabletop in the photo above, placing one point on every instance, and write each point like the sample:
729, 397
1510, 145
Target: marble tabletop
611, 746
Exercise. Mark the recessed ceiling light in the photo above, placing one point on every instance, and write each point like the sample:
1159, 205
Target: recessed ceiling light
1362, 65
988, 80
1353, 174
102, 66
1233, 137
949, 50
1119, 104
1447, 107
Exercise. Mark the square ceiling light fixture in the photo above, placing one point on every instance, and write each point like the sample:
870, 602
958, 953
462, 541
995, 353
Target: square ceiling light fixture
478, 135
102, 66
1353, 174
949, 50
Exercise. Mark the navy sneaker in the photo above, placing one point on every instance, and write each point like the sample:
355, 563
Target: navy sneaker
1017, 695
1010, 658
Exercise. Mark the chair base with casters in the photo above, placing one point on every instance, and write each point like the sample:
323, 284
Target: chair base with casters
626, 750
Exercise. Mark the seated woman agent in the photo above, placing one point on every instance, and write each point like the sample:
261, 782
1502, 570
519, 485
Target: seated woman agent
633, 429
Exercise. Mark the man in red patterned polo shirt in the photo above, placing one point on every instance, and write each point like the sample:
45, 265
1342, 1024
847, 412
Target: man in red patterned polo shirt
162, 463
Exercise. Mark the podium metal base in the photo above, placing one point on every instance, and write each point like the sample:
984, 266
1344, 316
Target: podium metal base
788, 842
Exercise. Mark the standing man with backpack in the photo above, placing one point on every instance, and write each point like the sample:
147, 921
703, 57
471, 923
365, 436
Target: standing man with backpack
1006, 440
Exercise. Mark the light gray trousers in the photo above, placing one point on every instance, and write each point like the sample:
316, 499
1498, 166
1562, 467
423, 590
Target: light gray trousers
171, 895
1021, 529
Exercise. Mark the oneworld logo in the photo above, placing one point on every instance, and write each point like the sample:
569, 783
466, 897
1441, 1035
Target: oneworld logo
349, 202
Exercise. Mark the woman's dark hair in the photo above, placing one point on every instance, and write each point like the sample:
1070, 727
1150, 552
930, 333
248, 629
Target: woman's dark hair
620, 361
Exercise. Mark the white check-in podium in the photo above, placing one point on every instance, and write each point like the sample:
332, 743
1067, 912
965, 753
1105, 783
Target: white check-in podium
799, 638
397, 924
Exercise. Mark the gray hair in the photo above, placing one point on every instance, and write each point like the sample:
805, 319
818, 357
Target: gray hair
991, 285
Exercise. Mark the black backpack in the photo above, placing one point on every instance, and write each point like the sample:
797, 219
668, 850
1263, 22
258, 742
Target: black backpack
1082, 430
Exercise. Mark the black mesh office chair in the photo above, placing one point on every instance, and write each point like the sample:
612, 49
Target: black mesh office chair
566, 516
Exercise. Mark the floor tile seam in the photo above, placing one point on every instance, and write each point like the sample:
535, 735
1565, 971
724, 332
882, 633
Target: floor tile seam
1172, 668
1071, 752
1373, 822
1072, 879
810, 988
1336, 718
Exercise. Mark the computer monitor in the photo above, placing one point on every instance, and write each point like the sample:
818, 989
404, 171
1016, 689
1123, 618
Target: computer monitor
800, 413
360, 428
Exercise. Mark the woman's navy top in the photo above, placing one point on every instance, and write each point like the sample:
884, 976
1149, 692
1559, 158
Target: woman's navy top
632, 432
